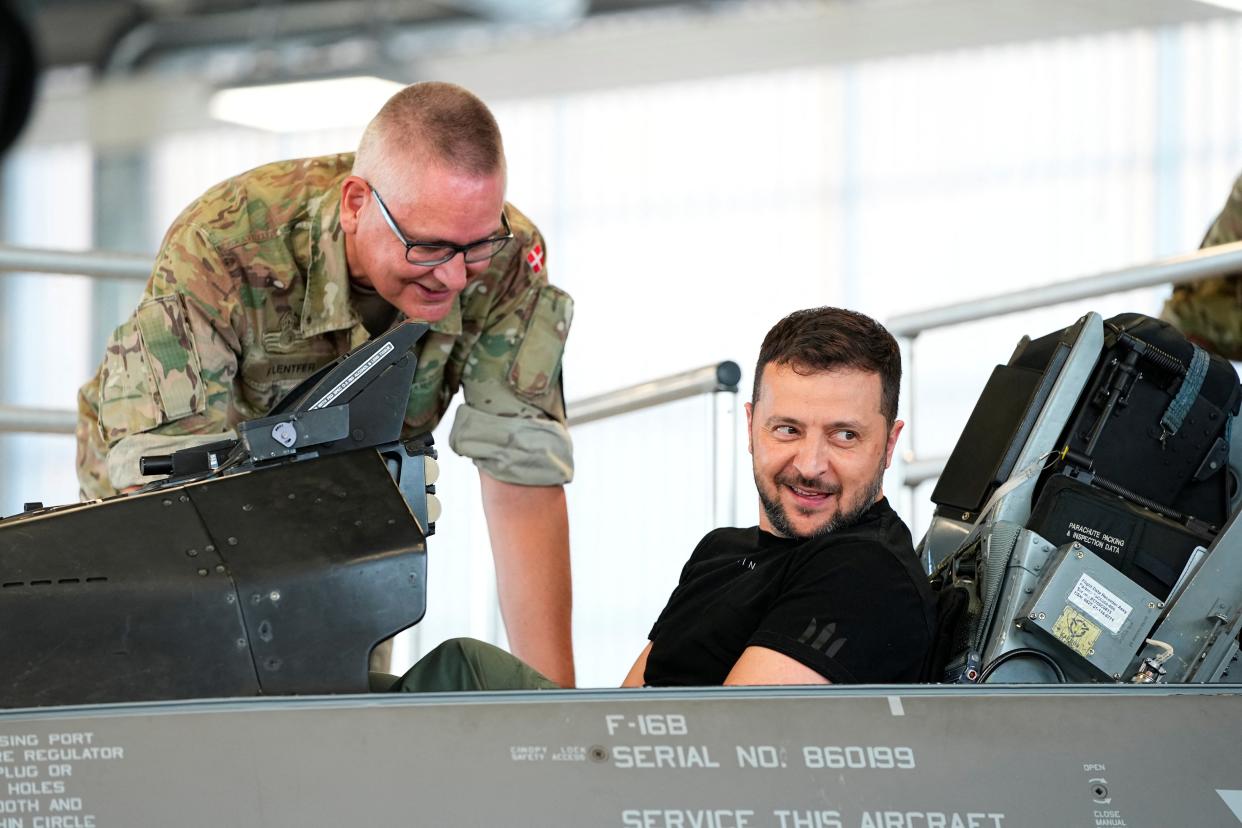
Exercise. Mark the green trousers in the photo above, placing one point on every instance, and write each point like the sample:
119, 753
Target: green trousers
463, 664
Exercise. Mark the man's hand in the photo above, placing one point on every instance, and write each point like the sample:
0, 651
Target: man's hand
529, 530
759, 665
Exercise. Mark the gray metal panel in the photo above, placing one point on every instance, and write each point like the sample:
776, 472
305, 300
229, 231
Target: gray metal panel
333, 532
1015, 505
1235, 465
944, 537
1050, 425
1202, 624
836, 757
1030, 556
97, 600
274, 580
1090, 612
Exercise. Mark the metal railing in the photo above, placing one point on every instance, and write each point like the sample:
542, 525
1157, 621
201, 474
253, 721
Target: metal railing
720, 376
93, 264
1221, 260
37, 420
912, 469
719, 379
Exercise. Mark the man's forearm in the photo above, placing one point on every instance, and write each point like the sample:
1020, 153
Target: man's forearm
529, 531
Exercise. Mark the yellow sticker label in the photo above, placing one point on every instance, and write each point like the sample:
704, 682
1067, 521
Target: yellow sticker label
1074, 630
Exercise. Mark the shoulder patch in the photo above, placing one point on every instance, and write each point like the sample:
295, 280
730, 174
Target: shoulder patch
534, 258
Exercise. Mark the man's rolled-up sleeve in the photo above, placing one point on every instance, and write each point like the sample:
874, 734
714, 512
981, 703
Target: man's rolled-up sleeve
528, 452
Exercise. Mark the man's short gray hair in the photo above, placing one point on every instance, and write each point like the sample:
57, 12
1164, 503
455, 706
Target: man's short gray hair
435, 121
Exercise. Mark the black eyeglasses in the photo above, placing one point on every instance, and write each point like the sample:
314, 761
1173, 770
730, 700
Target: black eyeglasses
430, 254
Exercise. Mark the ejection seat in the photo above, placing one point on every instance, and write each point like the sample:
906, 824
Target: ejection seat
1092, 478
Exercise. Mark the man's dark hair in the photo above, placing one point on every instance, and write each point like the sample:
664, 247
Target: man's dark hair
826, 339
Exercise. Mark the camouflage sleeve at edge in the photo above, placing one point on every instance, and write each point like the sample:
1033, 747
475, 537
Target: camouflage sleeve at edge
168, 371
1209, 311
1228, 225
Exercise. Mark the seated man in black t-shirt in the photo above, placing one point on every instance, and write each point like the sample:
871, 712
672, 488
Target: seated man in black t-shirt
827, 588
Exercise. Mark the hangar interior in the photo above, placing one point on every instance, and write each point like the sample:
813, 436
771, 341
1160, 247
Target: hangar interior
699, 169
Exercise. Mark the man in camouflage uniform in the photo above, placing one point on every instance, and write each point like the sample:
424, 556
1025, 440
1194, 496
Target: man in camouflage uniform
1209, 312
272, 274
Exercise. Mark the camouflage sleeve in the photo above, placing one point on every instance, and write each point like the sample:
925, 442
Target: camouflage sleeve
512, 423
166, 380
1209, 312
1228, 225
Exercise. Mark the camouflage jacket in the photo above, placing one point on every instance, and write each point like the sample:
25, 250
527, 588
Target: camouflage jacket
250, 295
1210, 311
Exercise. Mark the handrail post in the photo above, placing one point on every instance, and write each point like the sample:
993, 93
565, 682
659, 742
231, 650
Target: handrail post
905, 412
724, 458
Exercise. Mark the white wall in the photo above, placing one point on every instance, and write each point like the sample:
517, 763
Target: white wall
46, 203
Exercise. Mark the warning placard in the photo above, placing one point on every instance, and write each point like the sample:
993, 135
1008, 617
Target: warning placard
1090, 596
1075, 631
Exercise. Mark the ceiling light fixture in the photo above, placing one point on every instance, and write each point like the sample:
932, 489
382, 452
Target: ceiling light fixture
299, 106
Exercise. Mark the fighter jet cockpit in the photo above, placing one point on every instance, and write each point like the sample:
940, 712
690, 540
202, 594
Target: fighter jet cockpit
1084, 532
1085, 535
1084, 528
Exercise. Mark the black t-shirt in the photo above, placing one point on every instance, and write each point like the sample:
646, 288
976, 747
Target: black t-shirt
853, 605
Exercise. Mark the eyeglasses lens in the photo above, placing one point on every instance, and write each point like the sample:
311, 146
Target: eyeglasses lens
430, 255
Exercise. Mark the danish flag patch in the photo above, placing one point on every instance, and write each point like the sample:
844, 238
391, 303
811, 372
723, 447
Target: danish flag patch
535, 259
